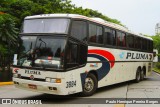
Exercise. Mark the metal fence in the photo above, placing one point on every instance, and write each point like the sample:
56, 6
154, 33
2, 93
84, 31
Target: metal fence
4, 61
5, 70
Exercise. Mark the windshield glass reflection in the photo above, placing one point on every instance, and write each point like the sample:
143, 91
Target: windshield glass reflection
46, 52
46, 26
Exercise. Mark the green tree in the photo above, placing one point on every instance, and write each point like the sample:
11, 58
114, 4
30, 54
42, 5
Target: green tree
23, 8
3, 50
156, 42
19, 9
8, 32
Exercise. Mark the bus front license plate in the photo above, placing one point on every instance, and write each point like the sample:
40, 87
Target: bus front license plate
32, 86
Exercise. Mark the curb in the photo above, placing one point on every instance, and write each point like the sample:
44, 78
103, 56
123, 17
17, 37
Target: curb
6, 83
119, 105
155, 71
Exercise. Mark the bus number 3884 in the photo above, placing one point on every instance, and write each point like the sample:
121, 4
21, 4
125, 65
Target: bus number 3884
70, 84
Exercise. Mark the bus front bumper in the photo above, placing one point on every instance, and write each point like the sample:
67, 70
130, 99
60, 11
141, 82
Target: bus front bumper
43, 87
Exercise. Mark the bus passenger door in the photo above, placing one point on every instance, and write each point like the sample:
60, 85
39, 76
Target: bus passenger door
76, 58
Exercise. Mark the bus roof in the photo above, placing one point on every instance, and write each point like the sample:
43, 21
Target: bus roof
96, 20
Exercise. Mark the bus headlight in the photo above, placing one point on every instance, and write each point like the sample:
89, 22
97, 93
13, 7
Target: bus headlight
53, 80
15, 75
48, 79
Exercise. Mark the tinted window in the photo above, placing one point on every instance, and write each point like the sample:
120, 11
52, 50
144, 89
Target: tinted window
79, 30
95, 34
150, 45
46, 26
109, 36
75, 53
121, 41
144, 44
138, 43
28, 43
44, 52
49, 47
130, 41
92, 33
72, 53
99, 35
83, 54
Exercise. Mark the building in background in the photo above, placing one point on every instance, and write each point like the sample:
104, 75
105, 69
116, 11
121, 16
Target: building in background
157, 29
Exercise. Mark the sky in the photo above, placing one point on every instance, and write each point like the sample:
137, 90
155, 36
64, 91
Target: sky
140, 16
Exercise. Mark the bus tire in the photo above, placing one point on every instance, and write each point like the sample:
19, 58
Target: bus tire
142, 75
138, 75
90, 85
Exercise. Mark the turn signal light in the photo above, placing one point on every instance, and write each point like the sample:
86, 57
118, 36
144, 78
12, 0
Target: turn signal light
58, 80
53, 80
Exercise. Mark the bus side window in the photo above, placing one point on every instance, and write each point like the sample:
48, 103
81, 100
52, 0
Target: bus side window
144, 44
110, 36
99, 35
114, 37
150, 46
130, 41
121, 39
79, 30
92, 33
138, 43
95, 34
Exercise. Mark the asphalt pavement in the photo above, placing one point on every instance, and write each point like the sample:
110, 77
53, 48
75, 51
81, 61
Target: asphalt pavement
149, 88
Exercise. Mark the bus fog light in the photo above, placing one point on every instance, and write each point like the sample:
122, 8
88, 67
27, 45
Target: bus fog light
52, 88
16, 82
48, 79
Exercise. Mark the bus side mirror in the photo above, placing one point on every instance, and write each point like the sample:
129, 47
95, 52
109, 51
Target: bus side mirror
154, 54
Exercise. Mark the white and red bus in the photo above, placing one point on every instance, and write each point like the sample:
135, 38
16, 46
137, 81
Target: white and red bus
64, 54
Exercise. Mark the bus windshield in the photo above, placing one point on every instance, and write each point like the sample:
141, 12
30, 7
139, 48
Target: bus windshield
45, 52
45, 25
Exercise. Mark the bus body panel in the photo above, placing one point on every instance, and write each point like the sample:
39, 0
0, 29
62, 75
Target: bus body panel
125, 67
123, 70
111, 64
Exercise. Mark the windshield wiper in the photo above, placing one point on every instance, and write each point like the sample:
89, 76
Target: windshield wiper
42, 42
27, 53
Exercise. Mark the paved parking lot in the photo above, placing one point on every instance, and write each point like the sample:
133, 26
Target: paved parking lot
149, 88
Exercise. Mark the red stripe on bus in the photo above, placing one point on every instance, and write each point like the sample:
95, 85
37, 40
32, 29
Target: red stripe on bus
105, 54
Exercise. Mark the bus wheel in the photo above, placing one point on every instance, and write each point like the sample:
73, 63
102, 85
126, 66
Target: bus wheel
138, 75
90, 85
142, 75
